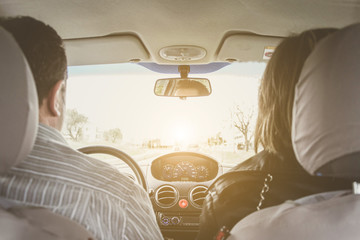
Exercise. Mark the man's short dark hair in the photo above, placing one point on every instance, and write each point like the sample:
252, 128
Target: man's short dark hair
43, 49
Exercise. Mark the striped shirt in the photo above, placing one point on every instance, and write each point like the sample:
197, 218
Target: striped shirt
86, 190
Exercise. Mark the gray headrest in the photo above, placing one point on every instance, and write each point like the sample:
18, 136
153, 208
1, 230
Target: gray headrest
326, 113
18, 104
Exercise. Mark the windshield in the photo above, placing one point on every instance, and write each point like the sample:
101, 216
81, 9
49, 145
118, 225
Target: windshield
115, 105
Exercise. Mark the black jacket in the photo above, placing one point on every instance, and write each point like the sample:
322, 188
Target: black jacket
239, 192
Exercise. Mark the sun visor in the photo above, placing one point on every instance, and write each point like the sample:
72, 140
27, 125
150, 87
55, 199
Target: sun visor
247, 48
109, 49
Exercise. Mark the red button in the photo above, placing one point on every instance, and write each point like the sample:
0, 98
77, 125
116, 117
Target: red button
183, 203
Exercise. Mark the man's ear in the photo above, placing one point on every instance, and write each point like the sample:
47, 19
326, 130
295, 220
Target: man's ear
55, 98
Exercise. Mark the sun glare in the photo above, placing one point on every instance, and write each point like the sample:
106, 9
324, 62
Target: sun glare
182, 133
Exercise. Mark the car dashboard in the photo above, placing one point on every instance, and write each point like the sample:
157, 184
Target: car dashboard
178, 184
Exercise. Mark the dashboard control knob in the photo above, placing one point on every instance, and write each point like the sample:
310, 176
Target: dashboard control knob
165, 221
175, 220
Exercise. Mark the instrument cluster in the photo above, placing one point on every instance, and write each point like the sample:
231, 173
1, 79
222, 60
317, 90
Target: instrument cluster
184, 168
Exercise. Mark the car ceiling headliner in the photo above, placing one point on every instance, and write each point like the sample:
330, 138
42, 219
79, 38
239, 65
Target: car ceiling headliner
204, 23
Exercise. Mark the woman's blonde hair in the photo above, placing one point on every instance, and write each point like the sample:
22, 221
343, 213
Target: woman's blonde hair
276, 92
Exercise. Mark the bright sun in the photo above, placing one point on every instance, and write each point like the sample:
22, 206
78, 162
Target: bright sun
182, 133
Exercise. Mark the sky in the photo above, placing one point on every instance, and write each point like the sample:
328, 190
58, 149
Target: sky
121, 96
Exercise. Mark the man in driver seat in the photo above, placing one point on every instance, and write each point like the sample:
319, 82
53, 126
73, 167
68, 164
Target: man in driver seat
57, 177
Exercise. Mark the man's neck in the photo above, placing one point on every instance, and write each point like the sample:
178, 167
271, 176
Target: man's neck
47, 119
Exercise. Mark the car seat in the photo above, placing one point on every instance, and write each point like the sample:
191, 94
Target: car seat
326, 140
18, 128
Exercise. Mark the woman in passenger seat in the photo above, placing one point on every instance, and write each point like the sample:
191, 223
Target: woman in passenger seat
273, 175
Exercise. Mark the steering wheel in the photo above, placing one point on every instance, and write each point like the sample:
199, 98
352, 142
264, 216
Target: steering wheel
120, 155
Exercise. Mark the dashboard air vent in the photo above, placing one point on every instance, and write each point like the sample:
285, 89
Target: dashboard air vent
166, 196
197, 196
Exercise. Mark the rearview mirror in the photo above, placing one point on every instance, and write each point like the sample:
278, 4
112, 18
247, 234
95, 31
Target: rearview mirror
182, 87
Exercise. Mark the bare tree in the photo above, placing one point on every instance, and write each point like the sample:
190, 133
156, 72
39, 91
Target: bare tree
243, 122
75, 123
113, 135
